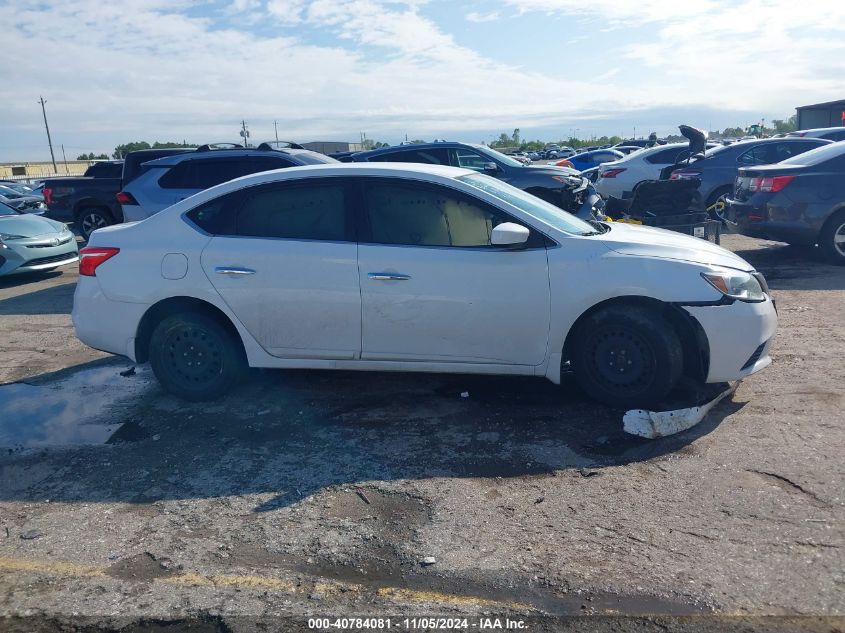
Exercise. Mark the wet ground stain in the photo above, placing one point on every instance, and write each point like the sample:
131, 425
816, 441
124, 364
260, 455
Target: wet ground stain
83, 408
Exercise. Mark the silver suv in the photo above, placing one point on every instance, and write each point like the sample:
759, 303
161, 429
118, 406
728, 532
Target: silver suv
168, 180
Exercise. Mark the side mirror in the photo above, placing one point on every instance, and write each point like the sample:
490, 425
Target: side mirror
509, 234
491, 166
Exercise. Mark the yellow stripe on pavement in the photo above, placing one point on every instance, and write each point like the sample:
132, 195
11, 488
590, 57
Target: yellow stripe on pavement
262, 582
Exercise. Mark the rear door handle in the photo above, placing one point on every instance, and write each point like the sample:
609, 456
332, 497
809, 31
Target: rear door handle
388, 276
233, 270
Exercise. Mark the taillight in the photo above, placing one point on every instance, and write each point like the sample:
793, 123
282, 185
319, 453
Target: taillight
684, 174
769, 185
612, 173
91, 257
565, 163
125, 198
48, 195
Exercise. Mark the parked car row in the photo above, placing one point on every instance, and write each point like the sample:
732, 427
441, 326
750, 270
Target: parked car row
787, 188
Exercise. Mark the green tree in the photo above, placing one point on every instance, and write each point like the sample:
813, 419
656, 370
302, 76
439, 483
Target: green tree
515, 137
122, 150
782, 126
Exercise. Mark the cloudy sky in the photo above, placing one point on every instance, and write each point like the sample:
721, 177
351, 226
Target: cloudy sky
121, 70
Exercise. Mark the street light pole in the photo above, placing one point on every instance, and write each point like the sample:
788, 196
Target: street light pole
49, 140
276, 128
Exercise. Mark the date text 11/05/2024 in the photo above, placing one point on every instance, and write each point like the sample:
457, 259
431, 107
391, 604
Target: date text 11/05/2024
410, 624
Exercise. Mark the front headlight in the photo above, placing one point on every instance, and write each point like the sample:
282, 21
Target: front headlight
736, 285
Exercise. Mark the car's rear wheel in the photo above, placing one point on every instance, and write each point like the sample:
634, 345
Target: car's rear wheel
195, 357
627, 356
832, 238
90, 219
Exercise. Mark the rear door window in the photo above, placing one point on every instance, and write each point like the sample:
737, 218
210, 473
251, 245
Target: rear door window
313, 211
755, 156
202, 174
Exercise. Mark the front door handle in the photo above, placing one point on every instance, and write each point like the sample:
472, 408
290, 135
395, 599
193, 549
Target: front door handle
388, 276
233, 270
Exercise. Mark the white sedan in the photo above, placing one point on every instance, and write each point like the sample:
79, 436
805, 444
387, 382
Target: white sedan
415, 268
619, 177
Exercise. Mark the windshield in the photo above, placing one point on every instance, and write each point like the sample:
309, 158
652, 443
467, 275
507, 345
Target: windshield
816, 156
532, 205
5, 209
498, 156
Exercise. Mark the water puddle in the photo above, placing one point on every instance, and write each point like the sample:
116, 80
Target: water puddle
85, 408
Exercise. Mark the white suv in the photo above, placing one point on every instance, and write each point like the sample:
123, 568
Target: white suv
168, 180
415, 268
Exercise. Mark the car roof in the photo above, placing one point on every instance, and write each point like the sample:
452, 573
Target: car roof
835, 128
175, 159
412, 146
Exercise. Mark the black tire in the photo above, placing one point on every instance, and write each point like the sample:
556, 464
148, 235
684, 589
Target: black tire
651, 356
833, 230
195, 357
716, 196
90, 219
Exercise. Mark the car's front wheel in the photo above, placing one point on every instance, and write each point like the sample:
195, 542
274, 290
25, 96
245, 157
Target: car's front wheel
195, 357
627, 356
832, 238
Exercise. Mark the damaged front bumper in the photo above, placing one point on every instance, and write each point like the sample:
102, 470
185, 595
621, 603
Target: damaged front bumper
739, 335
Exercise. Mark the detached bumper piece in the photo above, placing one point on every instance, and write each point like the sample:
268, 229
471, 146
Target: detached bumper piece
654, 424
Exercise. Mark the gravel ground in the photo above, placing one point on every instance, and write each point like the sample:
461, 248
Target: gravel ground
331, 493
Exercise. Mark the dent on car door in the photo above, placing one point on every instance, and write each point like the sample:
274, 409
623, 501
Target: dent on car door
433, 288
284, 259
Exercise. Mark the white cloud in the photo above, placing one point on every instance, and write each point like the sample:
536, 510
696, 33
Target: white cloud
286, 11
150, 69
748, 54
475, 16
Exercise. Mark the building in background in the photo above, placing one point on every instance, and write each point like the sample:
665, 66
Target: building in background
330, 147
830, 114
31, 170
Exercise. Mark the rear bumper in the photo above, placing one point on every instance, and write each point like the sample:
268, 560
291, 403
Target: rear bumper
762, 221
739, 336
104, 324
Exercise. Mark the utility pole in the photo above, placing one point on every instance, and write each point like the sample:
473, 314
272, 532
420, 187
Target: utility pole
245, 133
65, 159
276, 128
49, 140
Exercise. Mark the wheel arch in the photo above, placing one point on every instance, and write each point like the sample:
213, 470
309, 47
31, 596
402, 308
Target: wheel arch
90, 203
694, 343
716, 193
830, 217
173, 305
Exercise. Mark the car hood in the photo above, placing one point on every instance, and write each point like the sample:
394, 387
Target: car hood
29, 225
646, 241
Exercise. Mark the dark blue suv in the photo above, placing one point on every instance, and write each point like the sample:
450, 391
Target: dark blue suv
544, 181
